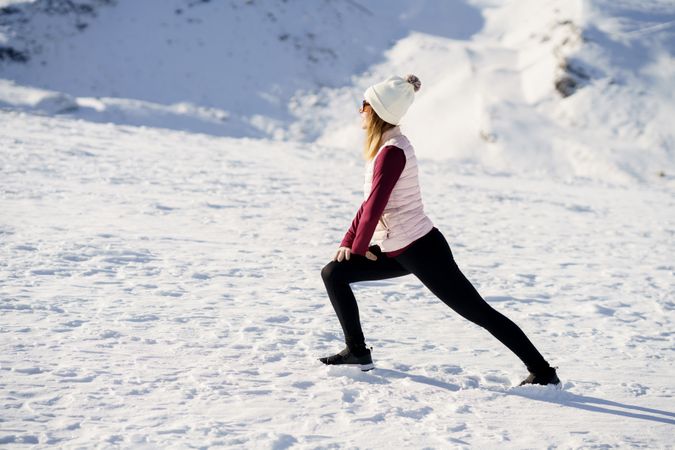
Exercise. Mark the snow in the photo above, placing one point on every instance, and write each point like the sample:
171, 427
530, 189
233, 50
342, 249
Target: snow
165, 214
159, 290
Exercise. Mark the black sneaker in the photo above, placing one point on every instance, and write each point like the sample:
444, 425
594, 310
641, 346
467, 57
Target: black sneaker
363, 361
549, 376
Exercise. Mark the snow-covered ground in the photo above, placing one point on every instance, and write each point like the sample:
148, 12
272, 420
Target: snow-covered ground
175, 173
159, 289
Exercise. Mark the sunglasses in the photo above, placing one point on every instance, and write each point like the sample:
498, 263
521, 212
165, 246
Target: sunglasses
363, 105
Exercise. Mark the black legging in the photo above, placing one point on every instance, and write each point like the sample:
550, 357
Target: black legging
429, 259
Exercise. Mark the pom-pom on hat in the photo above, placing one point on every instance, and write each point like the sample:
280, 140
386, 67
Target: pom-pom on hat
391, 98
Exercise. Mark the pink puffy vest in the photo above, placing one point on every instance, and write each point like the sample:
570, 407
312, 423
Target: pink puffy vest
403, 219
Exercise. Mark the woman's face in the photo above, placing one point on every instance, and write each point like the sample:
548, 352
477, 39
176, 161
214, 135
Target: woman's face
366, 113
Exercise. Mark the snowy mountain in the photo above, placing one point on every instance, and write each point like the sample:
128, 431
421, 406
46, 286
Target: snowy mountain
175, 173
565, 89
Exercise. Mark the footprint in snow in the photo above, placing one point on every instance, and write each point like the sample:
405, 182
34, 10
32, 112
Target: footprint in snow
142, 318
26, 248
109, 334
200, 276
302, 384
28, 370
415, 413
277, 319
604, 311
349, 395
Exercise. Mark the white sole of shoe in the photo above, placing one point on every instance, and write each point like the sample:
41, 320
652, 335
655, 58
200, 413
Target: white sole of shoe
363, 367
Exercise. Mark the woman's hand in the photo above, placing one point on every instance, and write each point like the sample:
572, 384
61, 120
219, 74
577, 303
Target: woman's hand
371, 256
345, 253
342, 253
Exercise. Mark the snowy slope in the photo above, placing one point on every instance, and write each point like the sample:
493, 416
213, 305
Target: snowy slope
492, 100
492, 73
158, 290
140, 62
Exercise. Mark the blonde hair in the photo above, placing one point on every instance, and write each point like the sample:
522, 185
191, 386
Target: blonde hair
376, 127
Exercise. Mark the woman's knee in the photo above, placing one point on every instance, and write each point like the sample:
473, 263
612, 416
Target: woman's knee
330, 271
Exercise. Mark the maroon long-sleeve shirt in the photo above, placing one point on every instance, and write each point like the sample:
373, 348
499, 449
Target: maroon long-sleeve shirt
388, 167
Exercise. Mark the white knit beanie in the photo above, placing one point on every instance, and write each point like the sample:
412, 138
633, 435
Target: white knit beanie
391, 98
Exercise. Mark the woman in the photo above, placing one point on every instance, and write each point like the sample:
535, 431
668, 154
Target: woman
406, 241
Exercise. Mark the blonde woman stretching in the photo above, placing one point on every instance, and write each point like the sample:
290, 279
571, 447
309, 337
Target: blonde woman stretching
406, 241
